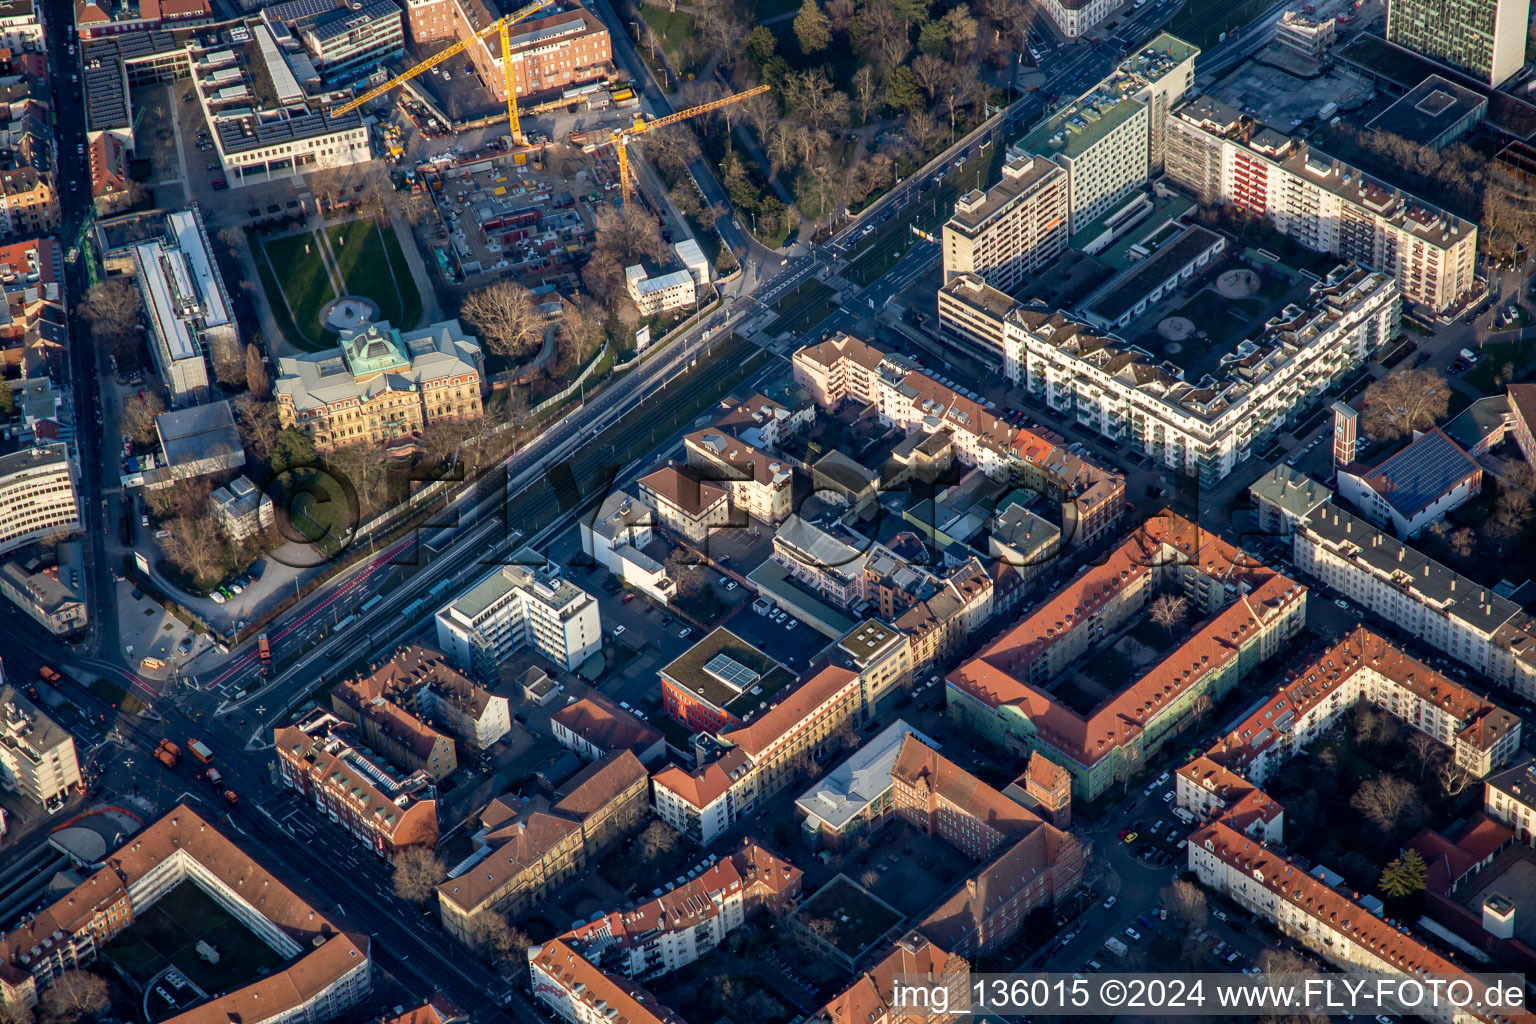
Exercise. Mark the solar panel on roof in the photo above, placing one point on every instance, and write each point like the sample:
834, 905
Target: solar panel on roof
731, 672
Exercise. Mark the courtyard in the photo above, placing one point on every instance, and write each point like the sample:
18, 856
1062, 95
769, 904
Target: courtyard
167, 936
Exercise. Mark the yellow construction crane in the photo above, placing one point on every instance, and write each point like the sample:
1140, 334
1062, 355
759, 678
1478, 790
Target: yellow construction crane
502, 25
641, 126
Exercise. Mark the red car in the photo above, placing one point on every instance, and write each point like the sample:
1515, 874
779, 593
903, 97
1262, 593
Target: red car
219, 184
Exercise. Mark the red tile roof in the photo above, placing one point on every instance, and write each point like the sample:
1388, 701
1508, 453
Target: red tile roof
792, 711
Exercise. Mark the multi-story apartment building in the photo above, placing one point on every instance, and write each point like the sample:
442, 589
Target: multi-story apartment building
1206, 427
526, 848
758, 484
345, 39
1109, 140
703, 803
29, 201
565, 53
872, 998
37, 491
594, 727
576, 990
1509, 796
1485, 38
53, 595
241, 510
690, 919
1327, 921
185, 303
1326, 205
616, 536
1308, 35
1212, 791
379, 384
1075, 17
1363, 666
848, 369
526, 604
37, 756
830, 565
971, 315
1248, 611
385, 809
392, 704
1101, 140
719, 683
1014, 228
326, 969
21, 25
685, 502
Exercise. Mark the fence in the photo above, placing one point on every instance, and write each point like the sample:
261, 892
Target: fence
574, 385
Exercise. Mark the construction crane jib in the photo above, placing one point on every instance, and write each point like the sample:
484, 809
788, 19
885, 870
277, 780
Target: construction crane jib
641, 126
501, 25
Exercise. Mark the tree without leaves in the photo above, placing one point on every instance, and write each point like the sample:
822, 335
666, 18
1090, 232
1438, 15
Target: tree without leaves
257, 422
869, 878
228, 361
491, 936
1186, 906
417, 872
1425, 751
14, 1011
933, 74
1462, 541
923, 128
882, 36
1405, 401
657, 840
139, 412
841, 13
506, 318
112, 308
1168, 610
194, 547
1405, 875
813, 30
75, 994
367, 469
1275, 963
864, 91
1388, 802
1512, 509
582, 331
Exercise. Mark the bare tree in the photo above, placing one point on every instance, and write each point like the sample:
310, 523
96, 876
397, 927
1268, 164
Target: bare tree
368, 470
864, 91
194, 546
491, 936
112, 309
933, 74
1453, 778
1512, 509
139, 412
582, 330
255, 372
14, 1011
656, 841
417, 872
1405, 401
75, 994
1168, 610
812, 94
1462, 541
869, 878
1425, 750
882, 35
228, 360
1387, 801
506, 318
257, 424
1186, 906
1276, 964
923, 128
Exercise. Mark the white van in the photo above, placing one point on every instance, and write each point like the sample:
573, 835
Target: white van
1184, 815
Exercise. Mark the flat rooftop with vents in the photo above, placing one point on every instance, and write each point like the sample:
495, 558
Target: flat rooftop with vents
1435, 113
729, 674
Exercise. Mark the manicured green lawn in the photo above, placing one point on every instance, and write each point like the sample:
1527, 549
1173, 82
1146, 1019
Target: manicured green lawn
674, 29
375, 270
300, 276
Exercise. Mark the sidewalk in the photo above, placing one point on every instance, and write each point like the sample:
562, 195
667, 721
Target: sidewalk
431, 308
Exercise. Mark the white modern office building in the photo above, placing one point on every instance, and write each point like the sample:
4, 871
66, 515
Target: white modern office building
528, 603
185, 303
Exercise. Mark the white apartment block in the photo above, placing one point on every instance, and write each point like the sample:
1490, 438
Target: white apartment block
1486, 632
615, 539
1016, 227
1324, 920
827, 564
685, 502
525, 604
1326, 205
1510, 797
37, 492
37, 756
1110, 140
241, 510
20, 26
659, 294
1205, 427
1309, 36
757, 483
703, 804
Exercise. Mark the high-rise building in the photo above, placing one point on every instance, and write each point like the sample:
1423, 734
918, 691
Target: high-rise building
1016, 227
525, 604
1485, 38
37, 756
37, 491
